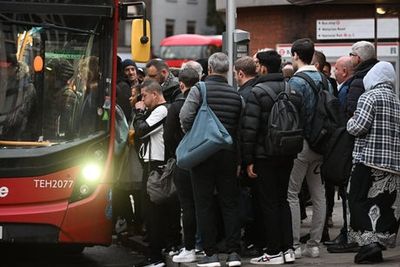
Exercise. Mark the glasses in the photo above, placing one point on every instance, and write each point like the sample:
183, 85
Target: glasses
353, 55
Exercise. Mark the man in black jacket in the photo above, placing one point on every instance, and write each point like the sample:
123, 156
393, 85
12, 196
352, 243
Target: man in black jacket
217, 174
173, 134
245, 75
363, 58
162, 220
271, 172
158, 70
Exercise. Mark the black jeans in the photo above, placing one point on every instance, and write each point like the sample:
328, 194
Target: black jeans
162, 220
184, 189
330, 198
217, 175
272, 187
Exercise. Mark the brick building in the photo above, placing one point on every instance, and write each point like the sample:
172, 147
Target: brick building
277, 23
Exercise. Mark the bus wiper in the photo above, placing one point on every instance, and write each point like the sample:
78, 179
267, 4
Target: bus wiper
45, 25
26, 143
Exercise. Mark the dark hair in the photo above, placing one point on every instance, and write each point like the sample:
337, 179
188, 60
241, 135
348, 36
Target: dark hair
304, 48
159, 64
247, 65
189, 77
271, 60
320, 58
328, 65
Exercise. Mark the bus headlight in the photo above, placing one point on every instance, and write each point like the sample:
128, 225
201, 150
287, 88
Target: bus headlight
91, 172
87, 181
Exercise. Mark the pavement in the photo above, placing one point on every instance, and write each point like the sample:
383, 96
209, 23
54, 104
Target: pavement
391, 255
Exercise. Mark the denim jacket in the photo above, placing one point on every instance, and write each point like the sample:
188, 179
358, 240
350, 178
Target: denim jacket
304, 89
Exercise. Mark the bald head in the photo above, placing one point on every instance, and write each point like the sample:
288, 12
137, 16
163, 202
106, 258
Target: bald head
343, 69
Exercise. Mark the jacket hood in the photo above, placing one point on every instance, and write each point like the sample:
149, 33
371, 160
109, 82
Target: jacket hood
382, 73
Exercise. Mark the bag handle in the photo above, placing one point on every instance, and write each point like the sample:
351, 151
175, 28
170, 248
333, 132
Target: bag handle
203, 92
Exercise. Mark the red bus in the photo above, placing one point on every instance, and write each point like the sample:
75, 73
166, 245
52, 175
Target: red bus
183, 47
57, 119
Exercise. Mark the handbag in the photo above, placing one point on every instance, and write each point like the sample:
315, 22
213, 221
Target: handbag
160, 184
207, 136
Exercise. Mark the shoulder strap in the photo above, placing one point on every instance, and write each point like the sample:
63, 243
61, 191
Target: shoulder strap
324, 81
271, 92
203, 92
308, 80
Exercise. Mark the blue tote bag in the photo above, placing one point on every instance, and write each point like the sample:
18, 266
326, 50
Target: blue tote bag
206, 137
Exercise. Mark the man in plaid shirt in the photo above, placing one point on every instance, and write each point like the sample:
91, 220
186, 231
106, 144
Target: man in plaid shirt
374, 196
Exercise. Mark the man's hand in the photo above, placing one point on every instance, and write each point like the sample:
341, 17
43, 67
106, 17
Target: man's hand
250, 171
140, 105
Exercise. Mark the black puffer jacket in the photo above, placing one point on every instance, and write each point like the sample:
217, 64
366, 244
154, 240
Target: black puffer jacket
356, 88
255, 120
221, 98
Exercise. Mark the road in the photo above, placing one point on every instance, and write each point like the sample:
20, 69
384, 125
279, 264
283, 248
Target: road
98, 256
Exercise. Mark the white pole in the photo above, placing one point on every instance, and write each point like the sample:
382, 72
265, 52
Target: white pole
230, 27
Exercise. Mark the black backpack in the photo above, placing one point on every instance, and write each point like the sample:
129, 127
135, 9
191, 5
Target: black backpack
327, 114
337, 163
284, 132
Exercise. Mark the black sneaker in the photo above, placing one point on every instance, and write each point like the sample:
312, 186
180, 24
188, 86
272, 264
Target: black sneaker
209, 261
233, 260
371, 253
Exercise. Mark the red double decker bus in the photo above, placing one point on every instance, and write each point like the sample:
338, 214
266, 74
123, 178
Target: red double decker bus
180, 48
58, 118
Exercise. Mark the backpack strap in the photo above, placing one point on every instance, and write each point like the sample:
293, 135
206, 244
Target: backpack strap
270, 91
311, 82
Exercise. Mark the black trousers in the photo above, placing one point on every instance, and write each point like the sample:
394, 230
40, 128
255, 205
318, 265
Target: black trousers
217, 175
272, 187
184, 189
330, 198
162, 220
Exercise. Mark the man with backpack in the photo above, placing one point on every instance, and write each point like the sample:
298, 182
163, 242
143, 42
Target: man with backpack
307, 164
268, 152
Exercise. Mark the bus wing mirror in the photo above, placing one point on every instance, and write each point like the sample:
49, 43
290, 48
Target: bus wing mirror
140, 43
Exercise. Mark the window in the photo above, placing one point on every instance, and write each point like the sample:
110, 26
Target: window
191, 26
192, 2
169, 27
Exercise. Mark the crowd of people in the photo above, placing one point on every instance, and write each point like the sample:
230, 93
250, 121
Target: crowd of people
246, 195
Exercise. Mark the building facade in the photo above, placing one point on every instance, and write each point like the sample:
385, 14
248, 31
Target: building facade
334, 26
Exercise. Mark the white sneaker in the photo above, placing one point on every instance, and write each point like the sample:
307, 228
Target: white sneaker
156, 264
289, 256
297, 253
185, 256
311, 252
268, 259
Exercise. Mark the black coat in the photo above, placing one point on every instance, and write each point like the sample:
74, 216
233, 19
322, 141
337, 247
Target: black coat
255, 120
173, 132
356, 88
